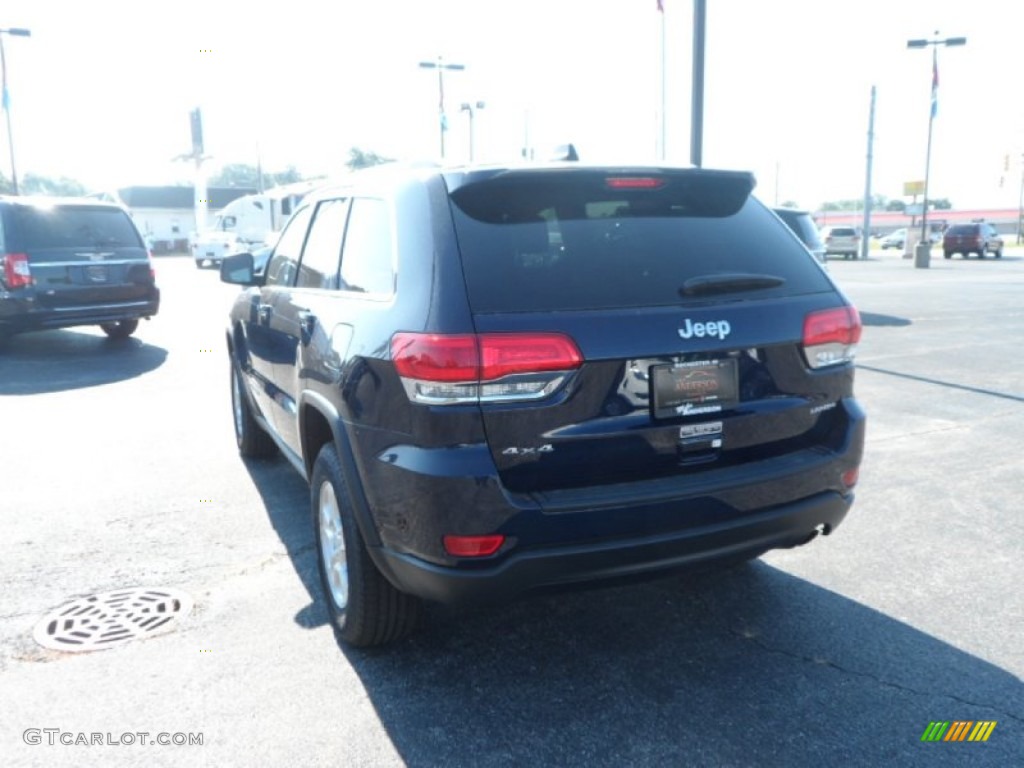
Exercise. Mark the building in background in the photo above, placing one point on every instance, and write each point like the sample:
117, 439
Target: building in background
166, 215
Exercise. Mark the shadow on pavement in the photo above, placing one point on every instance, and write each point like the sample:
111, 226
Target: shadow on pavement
58, 361
285, 496
747, 667
750, 666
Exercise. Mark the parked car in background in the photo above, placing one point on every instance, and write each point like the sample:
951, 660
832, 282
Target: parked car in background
497, 380
895, 239
978, 237
210, 248
72, 261
841, 241
803, 226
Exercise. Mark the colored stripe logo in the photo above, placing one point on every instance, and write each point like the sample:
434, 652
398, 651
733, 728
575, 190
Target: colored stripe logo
958, 730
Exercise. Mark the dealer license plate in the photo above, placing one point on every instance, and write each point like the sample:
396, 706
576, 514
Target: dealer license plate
691, 389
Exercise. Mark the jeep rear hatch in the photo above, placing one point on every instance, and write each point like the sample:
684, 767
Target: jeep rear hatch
635, 324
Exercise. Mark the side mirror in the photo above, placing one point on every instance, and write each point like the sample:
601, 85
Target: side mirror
238, 269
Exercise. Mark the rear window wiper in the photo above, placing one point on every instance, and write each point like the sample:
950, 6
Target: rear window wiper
729, 283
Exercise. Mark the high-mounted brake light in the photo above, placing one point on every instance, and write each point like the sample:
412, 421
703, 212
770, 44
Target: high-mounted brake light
634, 182
831, 336
16, 270
448, 369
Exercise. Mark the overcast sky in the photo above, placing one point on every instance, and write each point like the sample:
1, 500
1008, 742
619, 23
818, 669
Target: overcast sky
102, 90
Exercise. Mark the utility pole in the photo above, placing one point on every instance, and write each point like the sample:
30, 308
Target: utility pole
1020, 204
440, 66
697, 98
866, 238
200, 200
7, 97
469, 107
662, 116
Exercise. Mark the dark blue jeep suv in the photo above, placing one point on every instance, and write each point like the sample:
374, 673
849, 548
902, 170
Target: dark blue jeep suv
502, 379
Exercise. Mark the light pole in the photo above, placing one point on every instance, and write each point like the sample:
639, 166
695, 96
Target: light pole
922, 254
467, 107
700, 15
7, 97
1020, 203
440, 66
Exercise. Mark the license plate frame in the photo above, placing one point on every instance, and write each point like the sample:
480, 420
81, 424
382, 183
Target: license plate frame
694, 388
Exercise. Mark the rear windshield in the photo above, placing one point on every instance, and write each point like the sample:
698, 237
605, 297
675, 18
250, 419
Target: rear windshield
31, 227
550, 241
843, 232
963, 229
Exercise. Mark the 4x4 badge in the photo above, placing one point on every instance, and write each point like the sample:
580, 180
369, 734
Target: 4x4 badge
513, 451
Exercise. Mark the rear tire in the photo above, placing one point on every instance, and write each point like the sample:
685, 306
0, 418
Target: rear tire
999, 253
252, 440
365, 609
121, 329
948, 254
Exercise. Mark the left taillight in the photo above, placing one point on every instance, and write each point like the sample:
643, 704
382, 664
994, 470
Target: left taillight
16, 270
440, 369
831, 336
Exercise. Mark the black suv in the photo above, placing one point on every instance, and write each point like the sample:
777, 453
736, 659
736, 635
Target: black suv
68, 262
503, 379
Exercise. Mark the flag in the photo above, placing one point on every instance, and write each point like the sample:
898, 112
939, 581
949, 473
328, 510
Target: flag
661, 6
935, 86
7, 99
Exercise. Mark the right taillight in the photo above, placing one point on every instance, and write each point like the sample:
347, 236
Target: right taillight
831, 336
16, 270
440, 369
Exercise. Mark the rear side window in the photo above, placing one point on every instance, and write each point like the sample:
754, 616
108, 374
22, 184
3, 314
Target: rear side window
31, 227
548, 241
368, 256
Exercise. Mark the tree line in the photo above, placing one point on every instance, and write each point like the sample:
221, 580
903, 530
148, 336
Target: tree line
882, 203
230, 175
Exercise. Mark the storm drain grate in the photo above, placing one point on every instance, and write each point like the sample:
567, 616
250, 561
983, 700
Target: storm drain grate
100, 621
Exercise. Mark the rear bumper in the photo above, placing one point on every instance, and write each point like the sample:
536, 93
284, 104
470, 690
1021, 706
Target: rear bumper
19, 314
785, 526
583, 534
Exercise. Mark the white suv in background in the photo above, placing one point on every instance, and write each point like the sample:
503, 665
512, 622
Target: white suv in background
844, 241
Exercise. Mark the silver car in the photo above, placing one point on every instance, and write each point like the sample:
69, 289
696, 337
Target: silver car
842, 241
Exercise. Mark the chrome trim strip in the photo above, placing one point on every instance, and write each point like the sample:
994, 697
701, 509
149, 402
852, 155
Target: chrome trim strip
118, 262
100, 307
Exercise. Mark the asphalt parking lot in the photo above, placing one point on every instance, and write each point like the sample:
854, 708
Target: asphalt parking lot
119, 470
